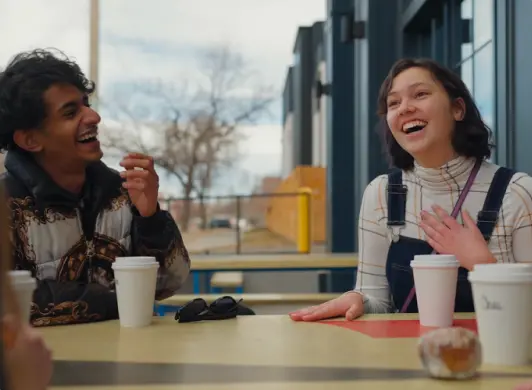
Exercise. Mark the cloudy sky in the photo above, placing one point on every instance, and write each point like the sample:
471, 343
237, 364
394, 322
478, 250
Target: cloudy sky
161, 40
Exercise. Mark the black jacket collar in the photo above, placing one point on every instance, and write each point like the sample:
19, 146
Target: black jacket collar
102, 182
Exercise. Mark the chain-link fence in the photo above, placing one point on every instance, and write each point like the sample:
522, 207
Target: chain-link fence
241, 223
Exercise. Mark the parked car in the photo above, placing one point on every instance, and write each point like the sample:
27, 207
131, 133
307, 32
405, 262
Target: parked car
220, 223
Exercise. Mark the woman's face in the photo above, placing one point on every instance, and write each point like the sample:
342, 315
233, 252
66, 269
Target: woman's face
422, 117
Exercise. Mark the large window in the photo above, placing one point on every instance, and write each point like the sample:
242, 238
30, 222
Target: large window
459, 35
477, 62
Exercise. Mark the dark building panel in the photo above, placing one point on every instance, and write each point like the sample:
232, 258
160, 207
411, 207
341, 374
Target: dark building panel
303, 75
317, 42
404, 4
382, 53
504, 82
288, 98
434, 31
307, 55
418, 13
374, 55
521, 64
341, 216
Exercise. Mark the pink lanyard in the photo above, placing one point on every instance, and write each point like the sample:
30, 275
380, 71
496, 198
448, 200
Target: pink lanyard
454, 214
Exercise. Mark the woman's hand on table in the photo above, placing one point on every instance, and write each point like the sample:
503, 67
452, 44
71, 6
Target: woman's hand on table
447, 237
27, 358
350, 305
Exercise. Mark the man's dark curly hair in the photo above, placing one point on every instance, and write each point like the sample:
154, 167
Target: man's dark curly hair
23, 84
471, 136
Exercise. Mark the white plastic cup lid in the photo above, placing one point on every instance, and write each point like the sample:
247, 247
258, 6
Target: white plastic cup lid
499, 278
134, 260
434, 261
133, 267
18, 276
503, 268
448, 258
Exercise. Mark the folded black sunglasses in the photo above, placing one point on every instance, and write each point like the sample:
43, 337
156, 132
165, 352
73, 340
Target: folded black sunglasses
221, 309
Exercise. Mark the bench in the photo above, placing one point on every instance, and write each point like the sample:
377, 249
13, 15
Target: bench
221, 280
303, 299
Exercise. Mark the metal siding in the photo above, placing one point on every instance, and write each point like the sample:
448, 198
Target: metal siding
340, 136
288, 99
302, 82
341, 215
382, 55
504, 84
522, 63
362, 155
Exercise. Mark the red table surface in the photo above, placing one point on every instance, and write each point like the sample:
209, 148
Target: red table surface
394, 328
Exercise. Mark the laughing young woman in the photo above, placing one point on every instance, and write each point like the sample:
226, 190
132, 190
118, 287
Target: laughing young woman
439, 145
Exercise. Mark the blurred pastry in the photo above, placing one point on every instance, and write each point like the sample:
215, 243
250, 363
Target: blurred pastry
450, 353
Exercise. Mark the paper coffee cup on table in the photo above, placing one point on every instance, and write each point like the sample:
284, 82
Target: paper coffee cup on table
23, 285
136, 281
435, 278
502, 296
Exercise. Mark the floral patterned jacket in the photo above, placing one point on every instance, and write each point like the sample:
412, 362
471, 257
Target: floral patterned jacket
69, 241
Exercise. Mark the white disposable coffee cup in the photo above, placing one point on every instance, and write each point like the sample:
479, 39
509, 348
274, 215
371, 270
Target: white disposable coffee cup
23, 285
502, 305
435, 278
136, 281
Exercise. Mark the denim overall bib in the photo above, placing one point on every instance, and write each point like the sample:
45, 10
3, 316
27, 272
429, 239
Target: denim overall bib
403, 249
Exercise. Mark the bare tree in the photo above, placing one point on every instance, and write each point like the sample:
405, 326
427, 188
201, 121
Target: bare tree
193, 134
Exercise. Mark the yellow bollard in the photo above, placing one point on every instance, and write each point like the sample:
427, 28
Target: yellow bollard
303, 217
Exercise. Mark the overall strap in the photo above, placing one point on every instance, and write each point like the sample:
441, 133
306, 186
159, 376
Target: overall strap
396, 195
454, 214
487, 217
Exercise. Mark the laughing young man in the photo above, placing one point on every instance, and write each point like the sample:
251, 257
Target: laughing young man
71, 214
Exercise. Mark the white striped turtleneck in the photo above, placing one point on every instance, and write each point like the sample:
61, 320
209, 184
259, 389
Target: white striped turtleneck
511, 240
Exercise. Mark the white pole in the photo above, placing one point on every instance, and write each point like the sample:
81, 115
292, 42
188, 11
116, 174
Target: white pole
94, 48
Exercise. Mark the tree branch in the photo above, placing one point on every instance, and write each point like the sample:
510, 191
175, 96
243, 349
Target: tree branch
192, 135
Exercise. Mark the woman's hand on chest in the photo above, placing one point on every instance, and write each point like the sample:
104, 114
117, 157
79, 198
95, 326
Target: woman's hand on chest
447, 236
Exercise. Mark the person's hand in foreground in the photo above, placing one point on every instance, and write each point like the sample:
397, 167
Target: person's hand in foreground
28, 361
524, 386
350, 305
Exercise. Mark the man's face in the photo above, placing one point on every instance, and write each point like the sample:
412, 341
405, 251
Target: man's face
69, 133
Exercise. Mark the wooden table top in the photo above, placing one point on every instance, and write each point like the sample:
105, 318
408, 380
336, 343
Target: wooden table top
273, 261
259, 352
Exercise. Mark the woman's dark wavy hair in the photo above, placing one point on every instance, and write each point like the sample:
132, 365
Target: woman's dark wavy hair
471, 136
23, 84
